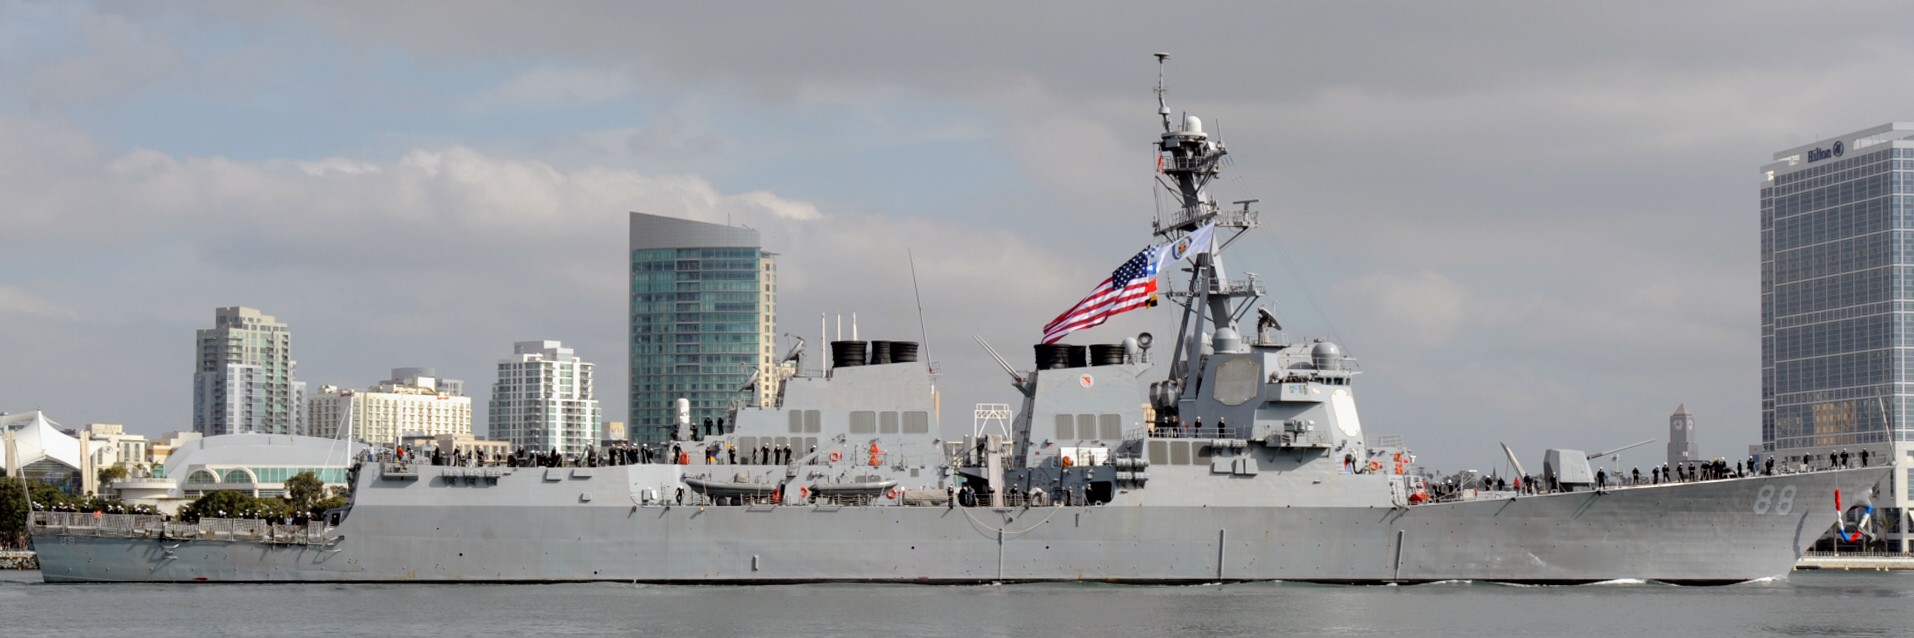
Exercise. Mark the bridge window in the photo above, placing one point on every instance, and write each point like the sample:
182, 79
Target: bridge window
1066, 427
863, 422
917, 422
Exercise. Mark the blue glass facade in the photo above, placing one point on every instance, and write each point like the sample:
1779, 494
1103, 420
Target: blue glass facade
1837, 299
701, 298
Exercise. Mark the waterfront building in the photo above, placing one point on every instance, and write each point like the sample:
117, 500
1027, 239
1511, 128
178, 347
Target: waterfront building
1681, 437
120, 448
413, 401
1837, 307
244, 379
36, 449
543, 399
160, 449
256, 464
703, 320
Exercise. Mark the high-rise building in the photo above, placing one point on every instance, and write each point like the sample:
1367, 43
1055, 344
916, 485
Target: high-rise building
1837, 305
543, 400
243, 382
414, 401
427, 377
703, 320
613, 432
1681, 437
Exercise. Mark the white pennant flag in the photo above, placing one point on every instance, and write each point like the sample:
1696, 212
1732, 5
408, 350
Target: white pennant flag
1198, 241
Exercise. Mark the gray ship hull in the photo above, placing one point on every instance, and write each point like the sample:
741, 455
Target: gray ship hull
590, 526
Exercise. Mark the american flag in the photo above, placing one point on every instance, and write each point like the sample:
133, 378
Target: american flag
1128, 288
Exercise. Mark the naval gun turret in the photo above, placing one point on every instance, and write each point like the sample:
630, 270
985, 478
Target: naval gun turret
1569, 469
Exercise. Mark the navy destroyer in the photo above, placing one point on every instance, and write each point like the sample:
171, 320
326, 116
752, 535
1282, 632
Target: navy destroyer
1235, 456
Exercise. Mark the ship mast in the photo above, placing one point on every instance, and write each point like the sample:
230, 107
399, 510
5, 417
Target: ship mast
1187, 162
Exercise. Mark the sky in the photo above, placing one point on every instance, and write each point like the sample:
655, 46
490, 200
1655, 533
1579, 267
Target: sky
1531, 223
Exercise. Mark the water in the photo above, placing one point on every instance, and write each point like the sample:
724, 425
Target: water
1804, 604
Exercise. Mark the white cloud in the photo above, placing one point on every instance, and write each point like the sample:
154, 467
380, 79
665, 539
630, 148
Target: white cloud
336, 165
443, 256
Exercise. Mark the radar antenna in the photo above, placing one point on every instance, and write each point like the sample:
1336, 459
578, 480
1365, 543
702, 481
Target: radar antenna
796, 350
1188, 161
1162, 104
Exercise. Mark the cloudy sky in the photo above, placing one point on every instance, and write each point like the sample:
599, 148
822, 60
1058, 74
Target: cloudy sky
1532, 223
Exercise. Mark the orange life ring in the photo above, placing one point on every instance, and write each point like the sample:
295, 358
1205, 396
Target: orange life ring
1375, 465
1067, 462
1398, 468
804, 491
892, 493
874, 460
836, 456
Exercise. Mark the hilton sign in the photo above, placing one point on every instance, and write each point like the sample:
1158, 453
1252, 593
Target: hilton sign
1818, 154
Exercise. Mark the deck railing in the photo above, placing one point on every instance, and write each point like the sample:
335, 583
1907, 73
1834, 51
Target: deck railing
156, 527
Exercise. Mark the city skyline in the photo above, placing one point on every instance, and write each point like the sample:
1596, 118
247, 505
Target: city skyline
1531, 224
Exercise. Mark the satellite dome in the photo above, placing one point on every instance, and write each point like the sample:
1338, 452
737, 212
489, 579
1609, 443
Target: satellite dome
1193, 126
1227, 340
1326, 355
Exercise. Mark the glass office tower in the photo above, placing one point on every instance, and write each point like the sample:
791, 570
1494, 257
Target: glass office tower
1837, 305
703, 310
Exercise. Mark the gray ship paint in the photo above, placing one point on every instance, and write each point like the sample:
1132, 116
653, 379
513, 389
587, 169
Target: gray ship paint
1254, 466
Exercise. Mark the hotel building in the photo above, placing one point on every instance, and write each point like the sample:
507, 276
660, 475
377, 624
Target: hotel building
413, 401
1837, 307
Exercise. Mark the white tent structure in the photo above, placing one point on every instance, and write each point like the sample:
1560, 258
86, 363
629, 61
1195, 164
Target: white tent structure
38, 450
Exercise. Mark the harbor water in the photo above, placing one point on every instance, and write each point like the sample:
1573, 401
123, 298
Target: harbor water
1803, 604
